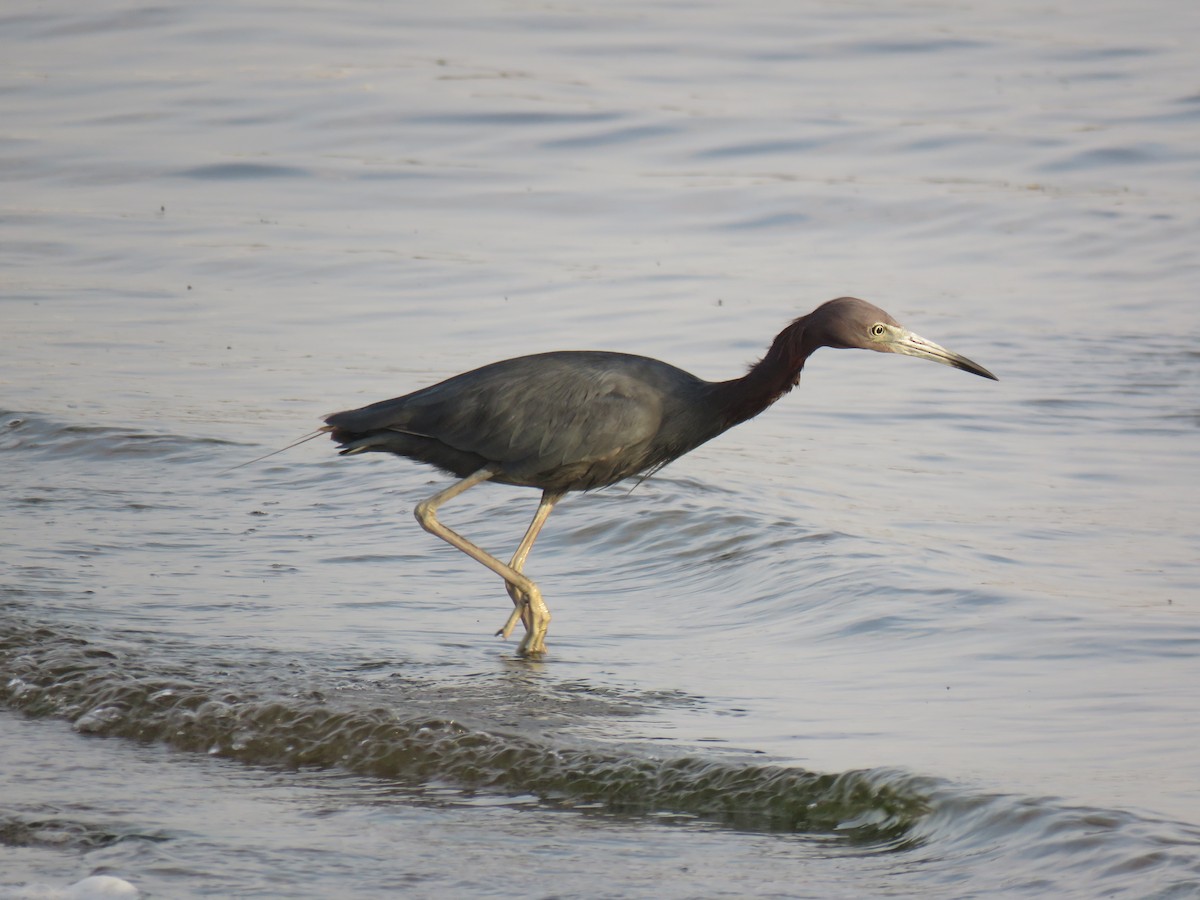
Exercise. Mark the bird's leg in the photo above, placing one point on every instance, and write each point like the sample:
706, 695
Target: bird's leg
426, 513
521, 608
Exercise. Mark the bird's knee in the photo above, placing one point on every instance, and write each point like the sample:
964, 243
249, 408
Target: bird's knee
423, 512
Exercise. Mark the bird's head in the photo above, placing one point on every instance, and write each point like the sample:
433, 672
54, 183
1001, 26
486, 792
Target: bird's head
848, 322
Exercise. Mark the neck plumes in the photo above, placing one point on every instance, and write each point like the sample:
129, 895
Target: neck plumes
768, 379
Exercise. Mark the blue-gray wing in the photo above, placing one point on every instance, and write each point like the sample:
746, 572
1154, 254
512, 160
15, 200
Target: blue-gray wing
590, 412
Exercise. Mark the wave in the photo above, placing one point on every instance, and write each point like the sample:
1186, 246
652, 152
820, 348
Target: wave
59, 833
483, 739
117, 691
33, 434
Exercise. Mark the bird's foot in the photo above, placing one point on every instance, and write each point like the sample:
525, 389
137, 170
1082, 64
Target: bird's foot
516, 615
533, 613
528, 652
520, 611
533, 645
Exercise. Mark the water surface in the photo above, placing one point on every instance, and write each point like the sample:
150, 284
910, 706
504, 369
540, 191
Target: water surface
909, 633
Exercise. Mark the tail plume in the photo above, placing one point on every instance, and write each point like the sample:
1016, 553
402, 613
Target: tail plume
305, 439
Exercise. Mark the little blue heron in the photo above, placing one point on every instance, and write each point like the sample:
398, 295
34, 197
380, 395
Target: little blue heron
577, 420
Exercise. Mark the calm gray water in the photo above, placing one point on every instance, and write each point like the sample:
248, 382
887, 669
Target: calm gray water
908, 634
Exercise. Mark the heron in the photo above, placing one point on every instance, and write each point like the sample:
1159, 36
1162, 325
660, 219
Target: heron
576, 420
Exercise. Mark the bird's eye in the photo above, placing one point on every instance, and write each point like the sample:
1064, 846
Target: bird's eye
878, 330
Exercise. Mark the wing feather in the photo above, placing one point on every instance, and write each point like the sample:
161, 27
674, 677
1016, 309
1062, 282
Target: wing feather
541, 417
534, 414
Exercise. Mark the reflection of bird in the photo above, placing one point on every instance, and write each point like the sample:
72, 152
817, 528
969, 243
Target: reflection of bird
575, 420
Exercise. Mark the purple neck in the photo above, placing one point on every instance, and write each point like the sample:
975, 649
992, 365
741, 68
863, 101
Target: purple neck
768, 379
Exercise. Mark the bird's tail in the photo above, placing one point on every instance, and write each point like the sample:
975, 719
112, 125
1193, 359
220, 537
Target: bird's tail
390, 440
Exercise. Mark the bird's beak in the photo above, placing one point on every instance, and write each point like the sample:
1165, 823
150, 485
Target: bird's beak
903, 341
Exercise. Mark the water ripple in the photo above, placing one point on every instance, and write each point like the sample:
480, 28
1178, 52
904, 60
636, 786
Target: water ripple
247, 713
113, 692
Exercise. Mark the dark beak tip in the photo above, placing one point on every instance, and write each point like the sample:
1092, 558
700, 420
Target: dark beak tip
974, 368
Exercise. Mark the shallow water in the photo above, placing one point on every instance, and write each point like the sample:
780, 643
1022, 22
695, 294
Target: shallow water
909, 633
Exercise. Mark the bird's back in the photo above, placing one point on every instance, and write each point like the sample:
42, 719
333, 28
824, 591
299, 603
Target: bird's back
568, 420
